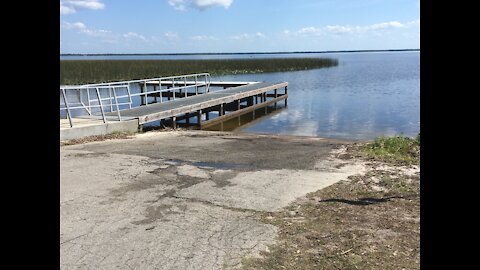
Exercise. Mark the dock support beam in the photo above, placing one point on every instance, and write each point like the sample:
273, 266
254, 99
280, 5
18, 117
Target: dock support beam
199, 118
265, 100
275, 95
286, 92
249, 101
174, 122
222, 110
238, 109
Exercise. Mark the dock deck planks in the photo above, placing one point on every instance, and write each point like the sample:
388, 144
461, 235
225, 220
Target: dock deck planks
158, 111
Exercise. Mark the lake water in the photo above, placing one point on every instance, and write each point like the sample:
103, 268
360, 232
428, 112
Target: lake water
368, 94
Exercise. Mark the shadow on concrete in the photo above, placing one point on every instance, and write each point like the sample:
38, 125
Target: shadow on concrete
364, 201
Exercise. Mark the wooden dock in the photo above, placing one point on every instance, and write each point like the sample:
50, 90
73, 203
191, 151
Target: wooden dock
230, 102
187, 100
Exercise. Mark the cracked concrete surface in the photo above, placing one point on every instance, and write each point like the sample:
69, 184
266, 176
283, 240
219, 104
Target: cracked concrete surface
184, 200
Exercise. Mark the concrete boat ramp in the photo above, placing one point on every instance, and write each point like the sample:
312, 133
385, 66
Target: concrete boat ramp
150, 202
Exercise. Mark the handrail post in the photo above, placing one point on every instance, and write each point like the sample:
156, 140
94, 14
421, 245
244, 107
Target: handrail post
145, 90
68, 108
173, 86
196, 86
129, 96
209, 81
206, 84
185, 85
160, 89
116, 102
81, 101
110, 98
101, 105
88, 97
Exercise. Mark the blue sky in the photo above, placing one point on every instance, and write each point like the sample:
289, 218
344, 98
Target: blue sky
206, 26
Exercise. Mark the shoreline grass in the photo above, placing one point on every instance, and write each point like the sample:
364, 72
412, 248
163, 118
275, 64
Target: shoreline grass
98, 71
397, 149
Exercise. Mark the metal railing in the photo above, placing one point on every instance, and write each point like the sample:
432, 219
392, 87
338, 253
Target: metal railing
173, 83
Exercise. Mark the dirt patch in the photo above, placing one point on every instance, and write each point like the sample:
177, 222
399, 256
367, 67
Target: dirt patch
98, 138
369, 222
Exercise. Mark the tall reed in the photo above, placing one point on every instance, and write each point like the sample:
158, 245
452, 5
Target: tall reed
97, 71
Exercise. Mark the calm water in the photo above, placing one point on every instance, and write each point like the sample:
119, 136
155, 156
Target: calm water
365, 96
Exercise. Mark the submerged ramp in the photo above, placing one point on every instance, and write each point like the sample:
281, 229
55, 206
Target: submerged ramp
195, 104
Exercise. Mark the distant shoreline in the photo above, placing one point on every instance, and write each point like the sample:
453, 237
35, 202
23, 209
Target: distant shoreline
233, 53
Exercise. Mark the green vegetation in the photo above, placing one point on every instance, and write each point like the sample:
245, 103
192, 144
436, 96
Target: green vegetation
398, 149
97, 71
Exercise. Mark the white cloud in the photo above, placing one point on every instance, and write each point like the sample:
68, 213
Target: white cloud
171, 35
347, 29
203, 38
339, 29
133, 35
245, 36
84, 30
309, 30
240, 37
66, 10
97, 33
203, 4
183, 5
259, 35
106, 36
179, 4
412, 23
384, 25
77, 25
71, 6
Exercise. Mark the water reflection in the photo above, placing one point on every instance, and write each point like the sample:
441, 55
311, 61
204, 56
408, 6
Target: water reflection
367, 95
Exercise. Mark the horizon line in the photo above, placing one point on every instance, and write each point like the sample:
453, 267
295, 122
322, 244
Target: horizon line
223, 53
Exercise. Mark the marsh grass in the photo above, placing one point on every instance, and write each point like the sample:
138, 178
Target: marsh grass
397, 149
98, 71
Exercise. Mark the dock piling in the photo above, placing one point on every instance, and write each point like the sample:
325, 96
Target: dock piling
199, 118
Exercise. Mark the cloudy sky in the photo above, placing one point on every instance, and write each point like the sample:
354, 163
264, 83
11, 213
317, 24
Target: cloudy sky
204, 26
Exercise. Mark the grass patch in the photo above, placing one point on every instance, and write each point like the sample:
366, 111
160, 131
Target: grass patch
99, 71
397, 149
